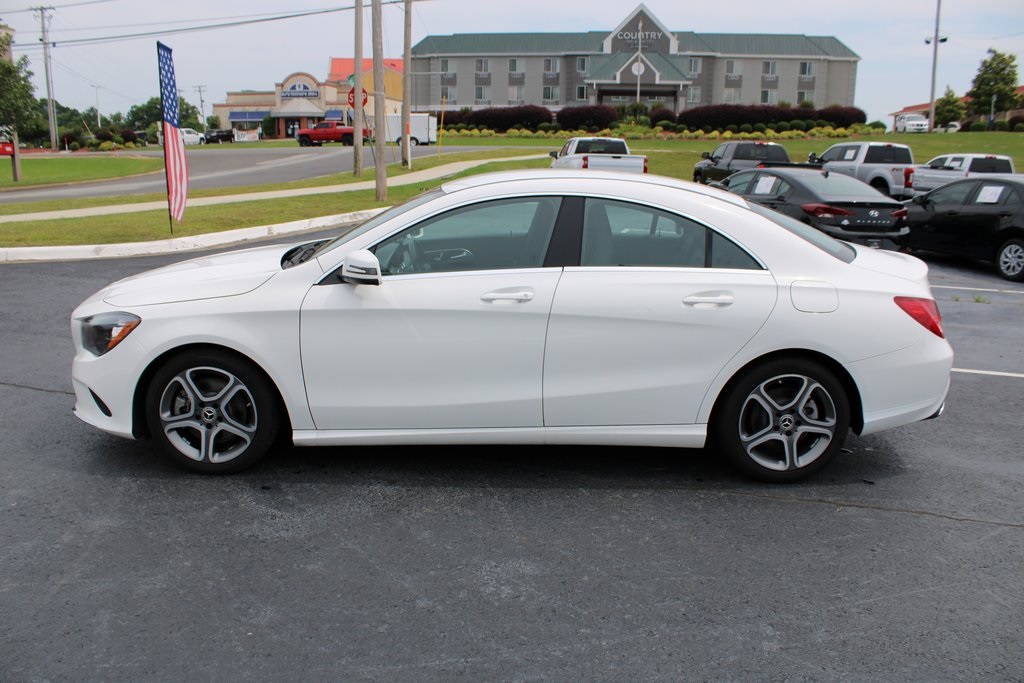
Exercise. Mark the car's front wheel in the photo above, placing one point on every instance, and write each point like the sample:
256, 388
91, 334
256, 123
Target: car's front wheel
212, 412
1010, 260
782, 420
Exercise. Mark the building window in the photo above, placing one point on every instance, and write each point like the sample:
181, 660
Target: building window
804, 96
515, 94
550, 94
581, 92
482, 94
513, 66
732, 96
550, 65
483, 66
732, 68
693, 94
445, 67
769, 68
770, 96
695, 64
807, 69
447, 93
581, 65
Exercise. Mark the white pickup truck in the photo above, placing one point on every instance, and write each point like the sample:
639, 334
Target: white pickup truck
604, 154
949, 167
886, 166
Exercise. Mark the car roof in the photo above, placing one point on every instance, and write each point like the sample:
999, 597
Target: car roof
555, 174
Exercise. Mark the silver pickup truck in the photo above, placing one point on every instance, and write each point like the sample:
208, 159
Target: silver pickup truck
888, 167
949, 167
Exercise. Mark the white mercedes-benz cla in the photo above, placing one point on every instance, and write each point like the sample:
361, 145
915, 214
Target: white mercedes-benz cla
532, 307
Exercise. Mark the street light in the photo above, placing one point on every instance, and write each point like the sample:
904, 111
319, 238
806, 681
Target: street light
934, 42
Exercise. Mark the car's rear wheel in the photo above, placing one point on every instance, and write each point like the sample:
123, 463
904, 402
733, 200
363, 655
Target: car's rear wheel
698, 178
782, 420
1010, 260
881, 186
212, 412
346, 140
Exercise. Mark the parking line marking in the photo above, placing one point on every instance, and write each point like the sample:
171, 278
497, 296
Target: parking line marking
992, 373
980, 289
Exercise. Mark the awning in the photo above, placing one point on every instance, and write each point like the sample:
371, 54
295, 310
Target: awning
296, 108
248, 115
334, 115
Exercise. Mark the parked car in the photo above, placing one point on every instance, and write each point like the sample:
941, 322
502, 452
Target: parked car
836, 204
141, 137
888, 167
949, 167
980, 218
524, 307
191, 136
329, 131
219, 135
730, 157
603, 154
911, 123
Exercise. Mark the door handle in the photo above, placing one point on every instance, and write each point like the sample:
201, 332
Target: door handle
719, 300
516, 294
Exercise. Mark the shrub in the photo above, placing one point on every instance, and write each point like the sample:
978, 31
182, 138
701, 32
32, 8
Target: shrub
760, 128
822, 123
782, 127
876, 124
74, 146
1014, 121
978, 127
577, 118
1002, 126
106, 146
746, 128
732, 128
662, 116
1018, 128
500, 119
797, 124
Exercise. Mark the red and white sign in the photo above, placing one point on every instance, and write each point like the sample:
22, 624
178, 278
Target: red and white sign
6, 149
352, 97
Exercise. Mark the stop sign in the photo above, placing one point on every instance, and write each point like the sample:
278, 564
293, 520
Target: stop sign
352, 97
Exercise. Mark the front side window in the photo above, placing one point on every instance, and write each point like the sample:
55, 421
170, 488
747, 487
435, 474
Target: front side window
740, 182
622, 234
770, 186
954, 194
495, 235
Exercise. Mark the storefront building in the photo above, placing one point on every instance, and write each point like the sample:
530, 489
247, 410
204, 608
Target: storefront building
640, 60
301, 100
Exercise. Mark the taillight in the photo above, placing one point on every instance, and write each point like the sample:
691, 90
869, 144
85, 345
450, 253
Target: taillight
586, 161
824, 210
645, 164
924, 311
908, 177
900, 213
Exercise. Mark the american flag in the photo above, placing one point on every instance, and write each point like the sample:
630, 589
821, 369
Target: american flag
174, 147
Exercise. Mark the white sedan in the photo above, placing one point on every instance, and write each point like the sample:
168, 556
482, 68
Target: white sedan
531, 307
191, 136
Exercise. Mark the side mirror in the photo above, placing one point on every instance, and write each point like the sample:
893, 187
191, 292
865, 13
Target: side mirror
553, 155
361, 268
705, 155
920, 199
813, 158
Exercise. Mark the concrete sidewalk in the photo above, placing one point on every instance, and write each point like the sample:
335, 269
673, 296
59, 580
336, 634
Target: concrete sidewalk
195, 242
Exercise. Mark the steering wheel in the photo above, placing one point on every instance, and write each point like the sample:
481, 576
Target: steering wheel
407, 258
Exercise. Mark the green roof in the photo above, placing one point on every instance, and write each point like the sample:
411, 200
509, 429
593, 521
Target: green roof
591, 42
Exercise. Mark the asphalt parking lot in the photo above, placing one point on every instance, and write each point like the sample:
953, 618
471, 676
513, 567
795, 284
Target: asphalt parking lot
903, 561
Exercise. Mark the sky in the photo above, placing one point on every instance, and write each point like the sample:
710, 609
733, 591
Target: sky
889, 35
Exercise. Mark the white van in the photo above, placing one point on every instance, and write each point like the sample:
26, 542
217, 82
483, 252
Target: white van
911, 123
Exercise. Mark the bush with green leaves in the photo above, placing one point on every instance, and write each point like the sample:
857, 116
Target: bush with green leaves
979, 127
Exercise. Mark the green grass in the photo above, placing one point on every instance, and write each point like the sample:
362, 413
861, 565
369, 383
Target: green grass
56, 170
673, 158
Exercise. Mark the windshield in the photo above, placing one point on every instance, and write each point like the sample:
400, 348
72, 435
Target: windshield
380, 219
837, 186
841, 250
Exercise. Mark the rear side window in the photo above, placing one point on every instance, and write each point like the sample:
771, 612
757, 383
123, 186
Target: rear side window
991, 166
755, 152
888, 155
601, 147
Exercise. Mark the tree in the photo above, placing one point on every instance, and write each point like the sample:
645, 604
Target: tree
213, 121
140, 116
948, 108
17, 102
997, 76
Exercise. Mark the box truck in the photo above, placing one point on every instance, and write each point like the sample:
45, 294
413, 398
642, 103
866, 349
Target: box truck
422, 128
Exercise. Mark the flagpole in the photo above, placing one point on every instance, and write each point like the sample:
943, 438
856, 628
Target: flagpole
167, 177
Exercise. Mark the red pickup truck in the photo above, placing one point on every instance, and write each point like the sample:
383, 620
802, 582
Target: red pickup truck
329, 131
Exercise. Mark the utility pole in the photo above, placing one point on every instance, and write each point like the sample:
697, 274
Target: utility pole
407, 87
379, 161
935, 61
357, 91
51, 112
202, 105
98, 124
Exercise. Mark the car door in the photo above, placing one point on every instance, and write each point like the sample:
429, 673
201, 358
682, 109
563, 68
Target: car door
641, 327
452, 338
937, 220
841, 159
989, 211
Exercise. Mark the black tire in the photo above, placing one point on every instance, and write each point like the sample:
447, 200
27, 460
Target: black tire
1010, 260
782, 420
303, 141
698, 178
413, 142
346, 140
212, 412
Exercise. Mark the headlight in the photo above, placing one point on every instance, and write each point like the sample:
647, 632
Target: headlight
101, 333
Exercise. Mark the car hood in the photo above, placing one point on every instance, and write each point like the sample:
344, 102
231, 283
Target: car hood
207, 277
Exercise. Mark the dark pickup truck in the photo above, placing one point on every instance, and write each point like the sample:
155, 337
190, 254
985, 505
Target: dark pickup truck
219, 135
737, 155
